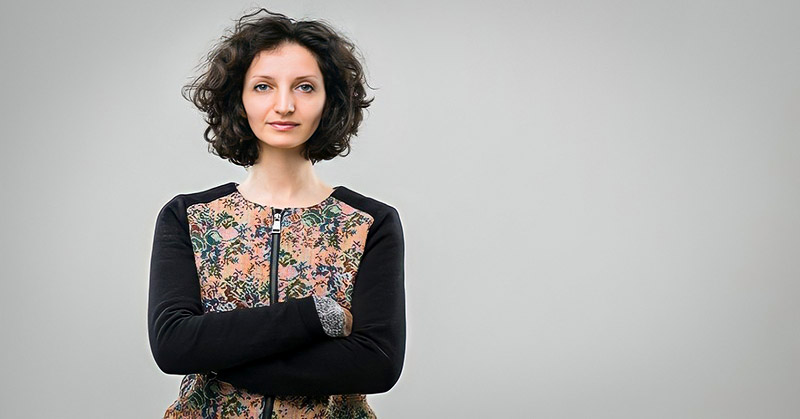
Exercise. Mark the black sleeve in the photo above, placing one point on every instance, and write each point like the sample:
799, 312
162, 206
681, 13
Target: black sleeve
367, 361
184, 339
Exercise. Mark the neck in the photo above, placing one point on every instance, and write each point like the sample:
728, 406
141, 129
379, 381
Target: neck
283, 178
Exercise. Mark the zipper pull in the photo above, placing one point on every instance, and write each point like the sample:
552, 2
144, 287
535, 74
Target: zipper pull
276, 225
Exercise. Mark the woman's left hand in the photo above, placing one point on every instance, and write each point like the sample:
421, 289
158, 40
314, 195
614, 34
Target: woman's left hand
348, 322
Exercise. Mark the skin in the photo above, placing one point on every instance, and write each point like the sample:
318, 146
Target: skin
284, 84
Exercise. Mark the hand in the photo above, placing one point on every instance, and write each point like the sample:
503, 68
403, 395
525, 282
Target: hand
348, 322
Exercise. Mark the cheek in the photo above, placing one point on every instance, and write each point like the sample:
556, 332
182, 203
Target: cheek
319, 107
253, 108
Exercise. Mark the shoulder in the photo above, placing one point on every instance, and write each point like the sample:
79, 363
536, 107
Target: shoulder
186, 199
176, 207
383, 214
368, 204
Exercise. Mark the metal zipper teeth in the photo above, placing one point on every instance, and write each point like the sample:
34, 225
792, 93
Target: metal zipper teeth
277, 215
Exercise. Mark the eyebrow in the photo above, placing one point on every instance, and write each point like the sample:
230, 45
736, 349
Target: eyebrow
264, 76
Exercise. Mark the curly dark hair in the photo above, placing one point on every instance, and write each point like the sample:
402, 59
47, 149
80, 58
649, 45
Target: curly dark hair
217, 91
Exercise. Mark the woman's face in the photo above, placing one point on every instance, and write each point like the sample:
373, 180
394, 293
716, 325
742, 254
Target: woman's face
283, 85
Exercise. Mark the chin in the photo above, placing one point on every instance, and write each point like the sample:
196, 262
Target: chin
288, 145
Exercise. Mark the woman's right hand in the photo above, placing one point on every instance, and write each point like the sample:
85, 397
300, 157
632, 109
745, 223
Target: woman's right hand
348, 322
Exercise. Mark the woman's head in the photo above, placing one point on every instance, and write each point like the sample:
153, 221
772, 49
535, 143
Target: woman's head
250, 80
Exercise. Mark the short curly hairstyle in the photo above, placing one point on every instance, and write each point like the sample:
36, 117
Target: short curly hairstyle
217, 91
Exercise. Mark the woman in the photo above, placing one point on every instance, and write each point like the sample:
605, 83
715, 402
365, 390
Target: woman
281, 296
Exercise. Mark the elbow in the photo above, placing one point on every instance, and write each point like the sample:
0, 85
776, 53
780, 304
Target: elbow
172, 355
169, 367
384, 365
393, 375
168, 361
171, 349
386, 374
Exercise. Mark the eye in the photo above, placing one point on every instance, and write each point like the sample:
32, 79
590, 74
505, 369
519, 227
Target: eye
310, 87
257, 89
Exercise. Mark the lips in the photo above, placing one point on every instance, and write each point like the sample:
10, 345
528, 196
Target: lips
283, 127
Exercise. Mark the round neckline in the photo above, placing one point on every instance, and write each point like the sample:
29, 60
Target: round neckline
318, 204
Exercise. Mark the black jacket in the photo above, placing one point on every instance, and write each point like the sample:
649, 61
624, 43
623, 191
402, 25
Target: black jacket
209, 311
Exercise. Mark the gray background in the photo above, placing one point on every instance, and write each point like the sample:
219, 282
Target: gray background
600, 200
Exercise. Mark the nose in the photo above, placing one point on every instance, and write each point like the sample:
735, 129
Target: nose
284, 103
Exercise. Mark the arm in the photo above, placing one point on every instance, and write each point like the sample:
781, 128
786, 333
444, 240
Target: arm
186, 340
370, 359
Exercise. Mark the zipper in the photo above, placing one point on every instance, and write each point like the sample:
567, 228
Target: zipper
277, 215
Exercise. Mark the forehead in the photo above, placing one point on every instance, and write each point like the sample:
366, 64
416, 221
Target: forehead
287, 60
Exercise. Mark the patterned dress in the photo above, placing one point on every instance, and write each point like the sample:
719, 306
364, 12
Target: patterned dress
210, 317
